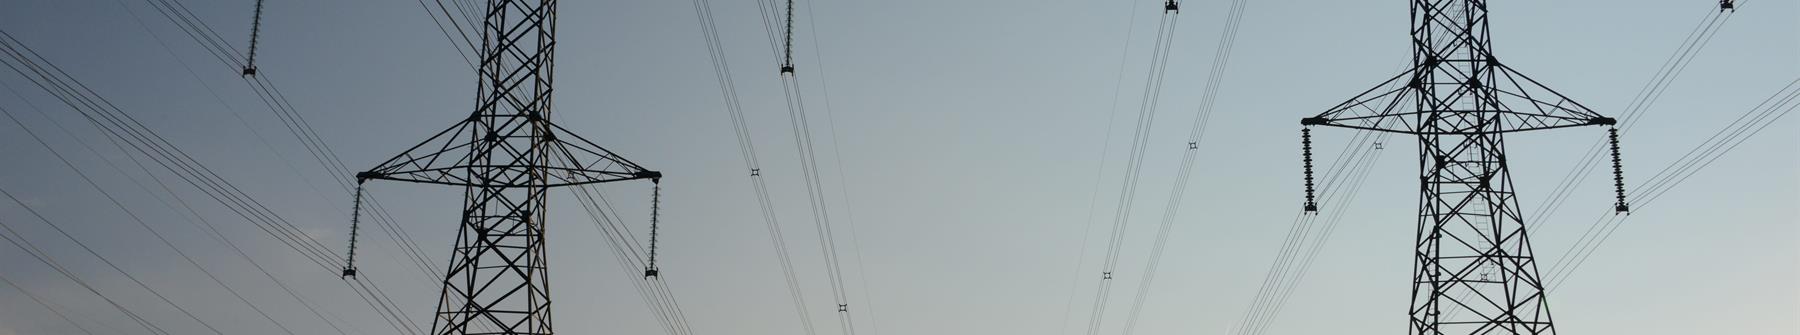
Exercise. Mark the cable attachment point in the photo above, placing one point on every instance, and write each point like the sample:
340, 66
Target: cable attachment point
1618, 172
787, 56
1172, 6
650, 269
1307, 160
843, 307
255, 34
355, 223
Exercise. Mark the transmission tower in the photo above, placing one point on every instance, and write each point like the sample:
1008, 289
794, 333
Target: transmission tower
506, 156
1473, 267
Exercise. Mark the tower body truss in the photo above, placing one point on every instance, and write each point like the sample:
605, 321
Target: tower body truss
1474, 271
506, 155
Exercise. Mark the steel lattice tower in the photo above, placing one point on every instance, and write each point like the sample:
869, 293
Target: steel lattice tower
506, 156
1474, 272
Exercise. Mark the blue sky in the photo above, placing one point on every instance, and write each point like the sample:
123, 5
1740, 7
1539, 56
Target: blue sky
970, 134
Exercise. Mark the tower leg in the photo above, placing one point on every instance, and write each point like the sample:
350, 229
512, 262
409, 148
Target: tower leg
497, 281
1474, 272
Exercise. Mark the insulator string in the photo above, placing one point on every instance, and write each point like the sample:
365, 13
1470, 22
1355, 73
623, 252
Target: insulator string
255, 34
787, 56
355, 223
1307, 159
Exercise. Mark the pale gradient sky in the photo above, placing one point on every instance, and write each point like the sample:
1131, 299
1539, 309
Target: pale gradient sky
970, 134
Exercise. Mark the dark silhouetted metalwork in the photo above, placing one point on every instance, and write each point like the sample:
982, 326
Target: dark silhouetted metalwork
650, 268
1474, 272
1306, 158
506, 156
255, 35
355, 226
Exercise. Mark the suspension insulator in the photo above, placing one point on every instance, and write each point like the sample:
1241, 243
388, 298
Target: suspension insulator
787, 39
355, 222
1618, 172
1307, 159
255, 34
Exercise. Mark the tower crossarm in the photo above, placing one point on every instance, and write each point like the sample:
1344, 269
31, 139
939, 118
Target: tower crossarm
567, 159
506, 156
1456, 85
1508, 102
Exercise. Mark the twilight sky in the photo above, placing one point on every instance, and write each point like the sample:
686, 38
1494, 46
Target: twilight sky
970, 135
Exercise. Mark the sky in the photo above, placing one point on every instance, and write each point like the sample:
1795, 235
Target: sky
978, 172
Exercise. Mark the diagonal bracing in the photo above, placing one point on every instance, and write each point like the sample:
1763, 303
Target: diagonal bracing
1474, 271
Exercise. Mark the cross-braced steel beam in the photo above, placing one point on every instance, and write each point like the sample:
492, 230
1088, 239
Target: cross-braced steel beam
1474, 272
506, 155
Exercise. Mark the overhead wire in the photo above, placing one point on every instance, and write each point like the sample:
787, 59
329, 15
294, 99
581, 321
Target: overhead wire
40, 301
1151, 96
1702, 155
843, 184
137, 218
208, 38
302, 130
1196, 133
1641, 102
624, 249
1305, 240
54, 82
747, 151
296, 124
1344, 195
114, 122
19, 241
1308, 232
197, 219
804, 144
462, 37
1646, 97
105, 260
1099, 169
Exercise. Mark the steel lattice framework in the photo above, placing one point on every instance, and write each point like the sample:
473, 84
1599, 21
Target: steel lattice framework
506, 156
1474, 272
